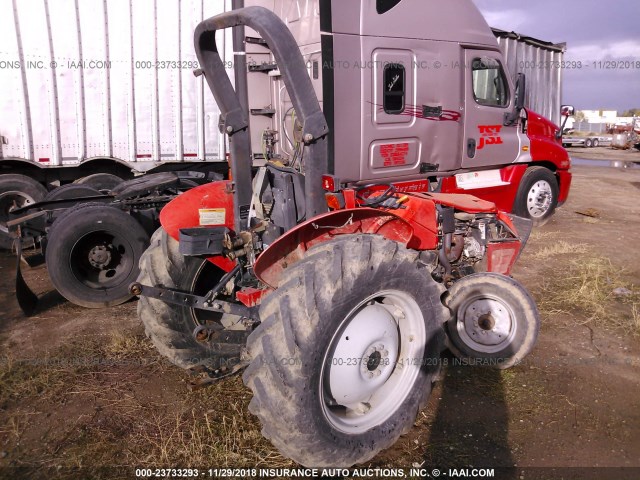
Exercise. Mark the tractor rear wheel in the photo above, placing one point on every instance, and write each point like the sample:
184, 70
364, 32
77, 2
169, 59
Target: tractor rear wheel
92, 254
347, 351
171, 327
494, 321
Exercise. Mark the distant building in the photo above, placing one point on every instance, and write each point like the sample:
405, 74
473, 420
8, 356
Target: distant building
600, 116
599, 121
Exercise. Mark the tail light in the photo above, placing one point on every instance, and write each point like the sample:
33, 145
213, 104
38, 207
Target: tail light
330, 183
502, 256
335, 201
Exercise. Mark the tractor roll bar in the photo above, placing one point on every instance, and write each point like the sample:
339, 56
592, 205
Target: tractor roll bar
235, 119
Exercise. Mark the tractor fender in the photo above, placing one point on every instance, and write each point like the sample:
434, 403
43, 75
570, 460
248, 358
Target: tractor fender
207, 205
290, 247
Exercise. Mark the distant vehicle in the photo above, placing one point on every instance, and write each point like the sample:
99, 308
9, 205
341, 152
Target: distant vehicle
587, 142
629, 137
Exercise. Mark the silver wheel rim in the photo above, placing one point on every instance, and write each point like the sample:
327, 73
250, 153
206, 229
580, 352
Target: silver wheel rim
539, 199
486, 324
372, 362
6, 205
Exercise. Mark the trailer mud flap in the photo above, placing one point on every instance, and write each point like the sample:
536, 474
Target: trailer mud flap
27, 300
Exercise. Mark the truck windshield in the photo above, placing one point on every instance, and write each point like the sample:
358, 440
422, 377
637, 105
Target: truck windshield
489, 83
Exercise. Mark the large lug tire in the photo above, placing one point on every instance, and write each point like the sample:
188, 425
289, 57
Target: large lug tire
537, 196
71, 191
20, 191
92, 254
347, 351
494, 321
170, 327
103, 182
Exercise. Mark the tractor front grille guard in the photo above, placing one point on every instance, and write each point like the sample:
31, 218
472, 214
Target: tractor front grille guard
235, 118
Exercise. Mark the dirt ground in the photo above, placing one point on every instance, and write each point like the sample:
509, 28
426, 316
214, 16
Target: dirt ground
84, 395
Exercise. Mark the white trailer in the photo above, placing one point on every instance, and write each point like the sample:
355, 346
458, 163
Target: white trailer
97, 86
104, 80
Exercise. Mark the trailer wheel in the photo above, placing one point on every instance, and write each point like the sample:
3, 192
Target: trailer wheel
537, 196
347, 351
170, 327
596, 142
103, 182
588, 143
92, 254
494, 321
16, 191
71, 191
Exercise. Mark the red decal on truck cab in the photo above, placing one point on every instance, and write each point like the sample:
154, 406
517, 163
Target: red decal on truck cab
489, 135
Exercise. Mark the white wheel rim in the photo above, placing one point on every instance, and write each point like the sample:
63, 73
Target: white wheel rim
486, 324
539, 199
372, 362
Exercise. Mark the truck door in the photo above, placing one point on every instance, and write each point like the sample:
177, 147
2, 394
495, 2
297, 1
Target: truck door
488, 96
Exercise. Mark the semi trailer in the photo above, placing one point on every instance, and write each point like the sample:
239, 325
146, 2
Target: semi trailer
590, 141
98, 91
334, 274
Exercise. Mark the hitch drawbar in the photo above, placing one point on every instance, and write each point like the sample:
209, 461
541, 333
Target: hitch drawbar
189, 300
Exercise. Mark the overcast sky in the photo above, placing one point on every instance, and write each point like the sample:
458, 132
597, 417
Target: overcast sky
594, 30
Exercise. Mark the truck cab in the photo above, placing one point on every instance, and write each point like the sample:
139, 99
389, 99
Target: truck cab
414, 91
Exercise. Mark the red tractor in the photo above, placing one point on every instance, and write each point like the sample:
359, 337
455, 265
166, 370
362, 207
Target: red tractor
334, 286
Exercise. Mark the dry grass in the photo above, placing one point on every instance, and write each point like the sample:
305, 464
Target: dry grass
635, 317
586, 287
111, 399
560, 248
538, 235
21, 379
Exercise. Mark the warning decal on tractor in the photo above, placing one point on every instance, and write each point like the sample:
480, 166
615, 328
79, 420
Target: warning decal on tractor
394, 154
212, 216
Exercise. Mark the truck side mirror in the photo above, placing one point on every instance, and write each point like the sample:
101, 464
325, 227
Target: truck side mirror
520, 94
566, 111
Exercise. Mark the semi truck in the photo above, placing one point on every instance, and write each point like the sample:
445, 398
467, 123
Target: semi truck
334, 274
95, 92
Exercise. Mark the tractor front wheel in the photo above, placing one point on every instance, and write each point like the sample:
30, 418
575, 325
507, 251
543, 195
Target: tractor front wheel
494, 320
347, 351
